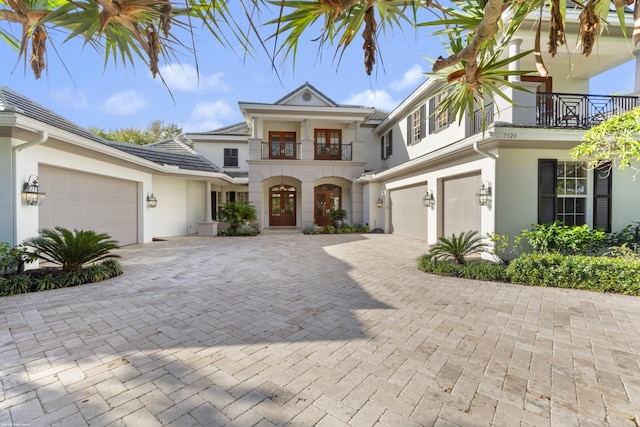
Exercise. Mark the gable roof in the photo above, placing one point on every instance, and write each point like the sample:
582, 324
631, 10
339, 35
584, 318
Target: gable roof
306, 86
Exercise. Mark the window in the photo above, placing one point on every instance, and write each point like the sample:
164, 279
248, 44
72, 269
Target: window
571, 192
416, 124
563, 193
230, 157
442, 119
386, 145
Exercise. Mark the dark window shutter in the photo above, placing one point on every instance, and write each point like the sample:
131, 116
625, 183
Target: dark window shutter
547, 187
409, 130
382, 153
432, 116
423, 120
602, 184
390, 142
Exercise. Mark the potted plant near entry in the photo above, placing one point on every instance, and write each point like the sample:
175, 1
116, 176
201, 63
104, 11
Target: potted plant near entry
337, 216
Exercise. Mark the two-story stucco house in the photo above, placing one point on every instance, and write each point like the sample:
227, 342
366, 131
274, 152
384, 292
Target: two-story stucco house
409, 172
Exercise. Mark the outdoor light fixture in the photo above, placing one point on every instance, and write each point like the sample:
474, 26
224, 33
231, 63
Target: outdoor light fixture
152, 202
32, 193
428, 200
484, 194
380, 201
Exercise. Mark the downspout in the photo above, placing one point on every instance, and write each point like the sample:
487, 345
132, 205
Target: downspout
484, 153
44, 136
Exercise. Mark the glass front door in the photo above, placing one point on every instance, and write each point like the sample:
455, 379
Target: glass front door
327, 197
282, 210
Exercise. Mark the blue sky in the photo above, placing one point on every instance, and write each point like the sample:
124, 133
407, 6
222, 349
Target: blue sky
117, 96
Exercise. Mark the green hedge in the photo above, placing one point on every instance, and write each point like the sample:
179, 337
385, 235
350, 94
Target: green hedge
601, 274
476, 271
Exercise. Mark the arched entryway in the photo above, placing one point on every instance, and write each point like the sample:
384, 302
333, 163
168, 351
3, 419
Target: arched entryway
326, 197
282, 211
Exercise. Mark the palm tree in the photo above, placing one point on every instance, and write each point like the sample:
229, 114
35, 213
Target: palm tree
476, 31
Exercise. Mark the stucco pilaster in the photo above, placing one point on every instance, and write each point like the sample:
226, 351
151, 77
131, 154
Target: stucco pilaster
7, 213
255, 148
306, 203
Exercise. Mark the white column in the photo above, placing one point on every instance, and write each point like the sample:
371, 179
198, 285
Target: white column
305, 123
356, 126
207, 203
637, 81
514, 49
254, 132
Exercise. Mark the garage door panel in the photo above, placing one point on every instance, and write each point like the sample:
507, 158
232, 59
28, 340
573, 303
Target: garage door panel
91, 202
407, 214
461, 210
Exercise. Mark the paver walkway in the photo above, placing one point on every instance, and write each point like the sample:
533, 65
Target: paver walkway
288, 329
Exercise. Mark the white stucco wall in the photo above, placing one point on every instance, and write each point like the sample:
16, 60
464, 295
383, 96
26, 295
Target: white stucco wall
517, 191
8, 188
27, 162
214, 151
196, 200
170, 215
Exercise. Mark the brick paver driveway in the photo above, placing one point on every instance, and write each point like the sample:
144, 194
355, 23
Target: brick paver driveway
313, 330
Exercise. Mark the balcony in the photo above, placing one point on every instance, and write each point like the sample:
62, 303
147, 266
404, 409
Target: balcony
576, 111
332, 152
296, 151
281, 150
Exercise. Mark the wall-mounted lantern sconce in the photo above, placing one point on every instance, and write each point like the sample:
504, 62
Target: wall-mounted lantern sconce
380, 201
32, 193
484, 194
152, 202
428, 200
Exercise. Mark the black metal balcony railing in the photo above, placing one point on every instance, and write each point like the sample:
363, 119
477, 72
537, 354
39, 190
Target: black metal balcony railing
281, 150
477, 119
332, 152
570, 110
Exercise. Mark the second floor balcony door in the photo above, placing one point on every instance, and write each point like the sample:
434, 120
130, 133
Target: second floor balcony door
328, 144
282, 145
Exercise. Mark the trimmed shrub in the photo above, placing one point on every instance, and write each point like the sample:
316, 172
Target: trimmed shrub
564, 239
47, 283
477, 270
12, 259
312, 229
15, 284
601, 274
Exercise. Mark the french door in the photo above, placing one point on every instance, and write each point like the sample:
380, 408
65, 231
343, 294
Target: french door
282, 210
327, 197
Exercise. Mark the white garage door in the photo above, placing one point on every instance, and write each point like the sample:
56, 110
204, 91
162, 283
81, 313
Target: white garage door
461, 210
408, 215
89, 202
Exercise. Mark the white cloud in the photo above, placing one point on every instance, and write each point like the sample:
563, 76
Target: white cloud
72, 97
207, 116
124, 103
376, 98
185, 78
411, 79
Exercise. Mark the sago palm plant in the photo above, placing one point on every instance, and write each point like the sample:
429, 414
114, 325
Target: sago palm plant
458, 247
73, 249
